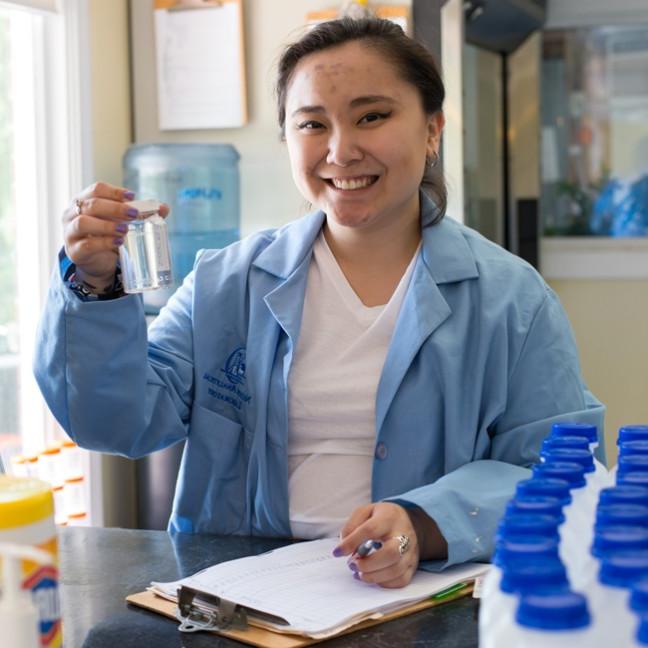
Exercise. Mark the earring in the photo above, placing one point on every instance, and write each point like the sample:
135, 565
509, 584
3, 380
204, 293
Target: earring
432, 160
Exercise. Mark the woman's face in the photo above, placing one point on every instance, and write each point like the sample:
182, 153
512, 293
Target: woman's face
358, 136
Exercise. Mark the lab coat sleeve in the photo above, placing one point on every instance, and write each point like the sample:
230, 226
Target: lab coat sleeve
544, 387
108, 387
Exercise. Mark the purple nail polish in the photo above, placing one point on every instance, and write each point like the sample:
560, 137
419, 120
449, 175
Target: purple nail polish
129, 195
356, 575
132, 212
337, 552
118, 240
122, 227
353, 567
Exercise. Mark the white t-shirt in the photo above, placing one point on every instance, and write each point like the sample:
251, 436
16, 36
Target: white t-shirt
332, 397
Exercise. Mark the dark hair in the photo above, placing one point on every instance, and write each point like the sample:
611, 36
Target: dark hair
411, 59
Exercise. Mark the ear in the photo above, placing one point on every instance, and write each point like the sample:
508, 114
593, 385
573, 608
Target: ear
435, 125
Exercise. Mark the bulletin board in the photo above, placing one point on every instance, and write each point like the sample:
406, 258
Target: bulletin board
400, 14
200, 64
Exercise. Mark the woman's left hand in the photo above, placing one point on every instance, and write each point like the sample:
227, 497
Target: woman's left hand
392, 565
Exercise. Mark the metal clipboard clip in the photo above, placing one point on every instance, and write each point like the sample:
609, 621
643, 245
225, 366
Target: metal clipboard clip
201, 611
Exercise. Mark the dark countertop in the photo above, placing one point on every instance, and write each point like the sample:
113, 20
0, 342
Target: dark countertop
100, 567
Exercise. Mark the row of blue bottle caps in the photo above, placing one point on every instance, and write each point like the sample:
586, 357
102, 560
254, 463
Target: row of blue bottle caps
572, 548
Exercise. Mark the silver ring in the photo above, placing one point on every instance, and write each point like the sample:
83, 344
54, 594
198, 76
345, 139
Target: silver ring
403, 543
78, 203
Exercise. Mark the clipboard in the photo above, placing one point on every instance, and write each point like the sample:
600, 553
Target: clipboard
263, 638
200, 62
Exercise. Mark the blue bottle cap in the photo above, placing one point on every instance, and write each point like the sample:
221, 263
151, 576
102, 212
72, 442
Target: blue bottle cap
633, 478
561, 611
639, 596
575, 429
548, 486
515, 524
534, 576
615, 539
624, 569
621, 515
632, 463
632, 433
639, 447
539, 504
642, 631
568, 470
525, 548
624, 494
582, 457
565, 442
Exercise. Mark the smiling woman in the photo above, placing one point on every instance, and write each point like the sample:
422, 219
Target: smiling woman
395, 372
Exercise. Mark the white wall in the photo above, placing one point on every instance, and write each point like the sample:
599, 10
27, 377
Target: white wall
587, 13
268, 195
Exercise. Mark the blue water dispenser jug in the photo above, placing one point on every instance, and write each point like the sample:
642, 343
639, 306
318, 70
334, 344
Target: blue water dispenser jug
200, 182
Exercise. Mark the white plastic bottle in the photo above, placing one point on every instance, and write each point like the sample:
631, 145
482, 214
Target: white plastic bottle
639, 606
624, 494
612, 540
621, 515
552, 621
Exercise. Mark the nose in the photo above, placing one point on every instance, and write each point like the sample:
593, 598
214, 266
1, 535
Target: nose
343, 148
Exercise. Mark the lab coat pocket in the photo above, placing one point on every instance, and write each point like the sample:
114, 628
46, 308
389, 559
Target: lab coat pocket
217, 466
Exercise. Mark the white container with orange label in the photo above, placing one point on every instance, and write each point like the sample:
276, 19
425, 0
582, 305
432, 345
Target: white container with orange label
27, 518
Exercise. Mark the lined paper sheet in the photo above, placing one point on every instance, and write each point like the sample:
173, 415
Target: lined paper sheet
315, 592
201, 83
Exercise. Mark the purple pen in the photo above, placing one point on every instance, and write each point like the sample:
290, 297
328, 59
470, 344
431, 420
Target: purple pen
367, 547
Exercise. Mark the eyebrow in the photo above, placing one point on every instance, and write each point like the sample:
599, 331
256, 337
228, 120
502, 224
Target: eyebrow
358, 101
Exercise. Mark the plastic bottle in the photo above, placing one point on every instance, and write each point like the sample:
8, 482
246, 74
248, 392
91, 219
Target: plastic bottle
639, 446
519, 578
633, 479
590, 433
545, 487
27, 519
537, 525
552, 621
624, 494
621, 515
200, 183
537, 505
610, 596
580, 442
612, 540
19, 618
631, 463
632, 433
639, 606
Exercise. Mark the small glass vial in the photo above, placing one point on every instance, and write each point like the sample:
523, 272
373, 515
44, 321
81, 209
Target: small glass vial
144, 255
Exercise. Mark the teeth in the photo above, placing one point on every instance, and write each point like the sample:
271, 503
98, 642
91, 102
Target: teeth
352, 183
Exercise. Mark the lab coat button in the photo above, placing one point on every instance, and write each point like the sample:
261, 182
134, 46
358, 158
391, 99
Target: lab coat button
381, 451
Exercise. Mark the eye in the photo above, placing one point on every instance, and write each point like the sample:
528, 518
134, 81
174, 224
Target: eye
374, 117
309, 124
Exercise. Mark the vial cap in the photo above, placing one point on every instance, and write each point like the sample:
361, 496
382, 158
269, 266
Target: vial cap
632, 463
642, 632
633, 478
639, 596
614, 539
548, 486
542, 504
575, 429
570, 471
565, 442
525, 548
576, 455
621, 514
540, 525
624, 494
560, 611
632, 433
624, 569
533, 576
639, 447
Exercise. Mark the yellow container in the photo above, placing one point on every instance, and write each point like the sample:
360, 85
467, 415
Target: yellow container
27, 517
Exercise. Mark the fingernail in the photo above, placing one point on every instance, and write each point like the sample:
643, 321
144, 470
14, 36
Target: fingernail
118, 240
337, 552
132, 212
122, 227
129, 195
353, 567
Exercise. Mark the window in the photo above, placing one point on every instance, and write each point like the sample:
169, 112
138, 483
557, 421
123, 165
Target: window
594, 138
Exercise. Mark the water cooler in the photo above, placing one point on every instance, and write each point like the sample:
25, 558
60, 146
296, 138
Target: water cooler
200, 183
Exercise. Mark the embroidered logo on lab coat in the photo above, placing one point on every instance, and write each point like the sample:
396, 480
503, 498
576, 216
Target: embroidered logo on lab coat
230, 390
235, 367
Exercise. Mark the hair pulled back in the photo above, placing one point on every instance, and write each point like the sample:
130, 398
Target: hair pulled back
414, 63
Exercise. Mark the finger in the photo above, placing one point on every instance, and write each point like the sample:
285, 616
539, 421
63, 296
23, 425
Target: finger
83, 226
357, 517
107, 191
83, 250
374, 528
391, 573
389, 554
401, 581
164, 210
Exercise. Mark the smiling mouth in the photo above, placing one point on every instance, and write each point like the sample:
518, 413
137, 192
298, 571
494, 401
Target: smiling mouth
352, 184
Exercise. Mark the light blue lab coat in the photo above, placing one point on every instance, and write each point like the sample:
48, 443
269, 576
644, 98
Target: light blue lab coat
481, 363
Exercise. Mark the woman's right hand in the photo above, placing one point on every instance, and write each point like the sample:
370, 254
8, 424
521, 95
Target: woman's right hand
94, 226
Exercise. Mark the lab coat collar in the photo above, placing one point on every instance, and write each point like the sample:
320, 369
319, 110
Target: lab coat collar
445, 250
